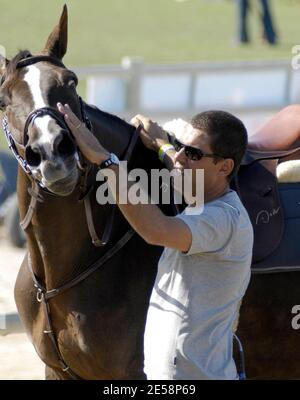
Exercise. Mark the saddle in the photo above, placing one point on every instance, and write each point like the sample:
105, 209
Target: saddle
258, 187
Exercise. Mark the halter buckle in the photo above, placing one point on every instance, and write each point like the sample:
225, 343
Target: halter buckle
80, 165
40, 295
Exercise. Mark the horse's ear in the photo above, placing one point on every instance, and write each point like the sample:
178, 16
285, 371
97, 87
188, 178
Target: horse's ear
56, 45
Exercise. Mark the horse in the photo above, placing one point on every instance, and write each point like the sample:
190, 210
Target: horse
83, 302
94, 329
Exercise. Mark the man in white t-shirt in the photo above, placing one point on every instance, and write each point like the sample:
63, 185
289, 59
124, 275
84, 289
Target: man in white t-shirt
204, 270
197, 291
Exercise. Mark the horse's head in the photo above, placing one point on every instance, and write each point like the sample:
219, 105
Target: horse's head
30, 83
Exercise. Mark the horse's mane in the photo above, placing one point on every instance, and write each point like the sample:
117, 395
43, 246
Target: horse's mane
111, 122
116, 119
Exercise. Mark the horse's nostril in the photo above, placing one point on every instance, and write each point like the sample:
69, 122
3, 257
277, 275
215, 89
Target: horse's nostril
65, 147
32, 156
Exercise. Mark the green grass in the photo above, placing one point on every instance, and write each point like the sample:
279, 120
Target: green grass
103, 31
160, 31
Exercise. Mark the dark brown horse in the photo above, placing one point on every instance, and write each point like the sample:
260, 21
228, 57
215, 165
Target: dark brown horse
96, 327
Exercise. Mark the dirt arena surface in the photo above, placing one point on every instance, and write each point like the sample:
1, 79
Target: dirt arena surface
18, 359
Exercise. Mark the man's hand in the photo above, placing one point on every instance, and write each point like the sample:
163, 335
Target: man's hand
86, 141
152, 135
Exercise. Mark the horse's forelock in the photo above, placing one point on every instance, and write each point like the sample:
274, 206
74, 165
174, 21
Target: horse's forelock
12, 65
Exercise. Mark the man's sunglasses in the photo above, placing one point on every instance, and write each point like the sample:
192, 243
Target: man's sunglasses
192, 153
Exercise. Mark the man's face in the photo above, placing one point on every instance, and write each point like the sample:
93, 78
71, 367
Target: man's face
215, 170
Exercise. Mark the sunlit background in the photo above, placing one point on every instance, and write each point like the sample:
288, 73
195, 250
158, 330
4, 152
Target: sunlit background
182, 54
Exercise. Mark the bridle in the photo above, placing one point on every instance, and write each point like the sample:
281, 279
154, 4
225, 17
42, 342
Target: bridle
43, 295
39, 112
85, 167
14, 144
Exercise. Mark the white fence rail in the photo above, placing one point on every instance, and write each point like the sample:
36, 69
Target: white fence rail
175, 90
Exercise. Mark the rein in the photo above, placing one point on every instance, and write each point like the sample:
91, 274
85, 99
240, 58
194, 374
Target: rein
43, 295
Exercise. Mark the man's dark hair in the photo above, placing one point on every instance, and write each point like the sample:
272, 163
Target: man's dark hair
227, 134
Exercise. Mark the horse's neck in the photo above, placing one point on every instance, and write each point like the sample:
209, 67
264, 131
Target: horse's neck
57, 237
115, 134
112, 132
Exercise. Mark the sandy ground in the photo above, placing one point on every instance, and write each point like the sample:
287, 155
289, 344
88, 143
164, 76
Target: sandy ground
18, 359
10, 261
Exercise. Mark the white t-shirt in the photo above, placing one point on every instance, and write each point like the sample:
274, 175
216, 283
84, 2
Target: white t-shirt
195, 298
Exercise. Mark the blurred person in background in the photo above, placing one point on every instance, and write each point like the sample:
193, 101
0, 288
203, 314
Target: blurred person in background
243, 7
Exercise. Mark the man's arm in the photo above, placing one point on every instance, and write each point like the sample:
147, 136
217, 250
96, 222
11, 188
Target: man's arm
147, 219
154, 137
152, 224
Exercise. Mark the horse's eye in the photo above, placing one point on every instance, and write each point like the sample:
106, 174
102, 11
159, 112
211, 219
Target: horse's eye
72, 83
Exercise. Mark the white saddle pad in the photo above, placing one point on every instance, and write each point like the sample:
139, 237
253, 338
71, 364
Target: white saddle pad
288, 171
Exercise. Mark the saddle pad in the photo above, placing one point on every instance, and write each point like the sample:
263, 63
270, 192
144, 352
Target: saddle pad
257, 187
286, 256
288, 171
